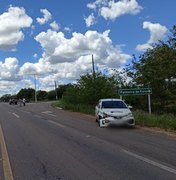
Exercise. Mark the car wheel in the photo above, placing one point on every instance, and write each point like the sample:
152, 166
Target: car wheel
96, 119
131, 126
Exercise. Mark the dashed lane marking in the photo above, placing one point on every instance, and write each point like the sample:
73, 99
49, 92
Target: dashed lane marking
56, 123
49, 113
8, 175
159, 165
16, 115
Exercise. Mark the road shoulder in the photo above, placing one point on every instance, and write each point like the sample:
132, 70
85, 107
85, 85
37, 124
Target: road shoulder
7, 171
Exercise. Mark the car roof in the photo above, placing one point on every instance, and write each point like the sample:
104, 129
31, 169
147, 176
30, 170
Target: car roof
110, 99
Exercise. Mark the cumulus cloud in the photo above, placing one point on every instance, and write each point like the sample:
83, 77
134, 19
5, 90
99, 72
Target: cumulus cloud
35, 55
116, 9
11, 24
112, 9
28, 83
97, 3
7, 87
157, 32
64, 58
90, 20
67, 59
9, 70
68, 29
143, 47
39, 68
54, 26
46, 17
58, 49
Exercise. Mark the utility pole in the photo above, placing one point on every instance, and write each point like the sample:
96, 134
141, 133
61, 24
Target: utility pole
35, 81
56, 90
93, 67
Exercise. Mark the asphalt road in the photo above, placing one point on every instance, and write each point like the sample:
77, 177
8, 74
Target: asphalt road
45, 143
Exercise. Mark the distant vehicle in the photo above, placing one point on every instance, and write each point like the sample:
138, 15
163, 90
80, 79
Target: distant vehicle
13, 101
113, 112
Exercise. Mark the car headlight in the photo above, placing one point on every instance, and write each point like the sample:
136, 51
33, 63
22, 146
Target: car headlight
105, 115
130, 114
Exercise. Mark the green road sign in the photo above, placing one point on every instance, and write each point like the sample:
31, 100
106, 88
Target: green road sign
137, 91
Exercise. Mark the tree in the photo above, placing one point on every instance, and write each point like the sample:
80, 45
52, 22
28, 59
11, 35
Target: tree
5, 97
42, 95
72, 94
61, 89
52, 95
28, 94
90, 88
156, 68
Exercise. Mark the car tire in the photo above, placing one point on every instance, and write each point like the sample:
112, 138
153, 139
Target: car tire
96, 119
131, 126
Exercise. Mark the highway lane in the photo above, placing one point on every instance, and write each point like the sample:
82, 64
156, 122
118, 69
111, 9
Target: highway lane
48, 143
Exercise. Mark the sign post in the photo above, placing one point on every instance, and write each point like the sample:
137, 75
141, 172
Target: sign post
137, 91
149, 103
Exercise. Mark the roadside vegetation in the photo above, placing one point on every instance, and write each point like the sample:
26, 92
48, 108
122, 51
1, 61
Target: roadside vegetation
86, 109
142, 118
164, 121
155, 68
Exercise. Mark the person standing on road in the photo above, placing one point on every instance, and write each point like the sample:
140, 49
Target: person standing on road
24, 101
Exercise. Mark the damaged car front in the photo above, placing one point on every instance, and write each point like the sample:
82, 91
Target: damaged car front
113, 112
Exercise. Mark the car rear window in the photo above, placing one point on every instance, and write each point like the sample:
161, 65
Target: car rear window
113, 104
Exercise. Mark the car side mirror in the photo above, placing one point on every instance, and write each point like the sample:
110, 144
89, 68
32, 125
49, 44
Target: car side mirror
130, 107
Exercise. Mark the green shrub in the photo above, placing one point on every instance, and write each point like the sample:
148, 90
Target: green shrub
165, 121
87, 109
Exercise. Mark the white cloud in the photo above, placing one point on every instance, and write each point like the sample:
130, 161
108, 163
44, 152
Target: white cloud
64, 59
67, 29
97, 3
46, 16
35, 55
112, 9
28, 83
90, 20
143, 47
67, 59
7, 87
58, 49
54, 26
116, 9
9, 70
157, 32
11, 23
39, 68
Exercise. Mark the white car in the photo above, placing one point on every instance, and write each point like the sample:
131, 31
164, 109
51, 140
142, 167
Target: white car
113, 112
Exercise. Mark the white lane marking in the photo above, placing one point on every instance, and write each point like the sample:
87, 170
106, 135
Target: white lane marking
52, 115
88, 136
56, 123
161, 166
49, 113
16, 115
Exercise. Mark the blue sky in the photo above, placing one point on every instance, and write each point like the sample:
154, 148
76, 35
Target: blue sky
54, 39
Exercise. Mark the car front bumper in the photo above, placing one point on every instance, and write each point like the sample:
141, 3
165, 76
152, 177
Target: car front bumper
129, 121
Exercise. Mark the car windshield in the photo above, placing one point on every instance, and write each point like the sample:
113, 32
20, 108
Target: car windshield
113, 104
